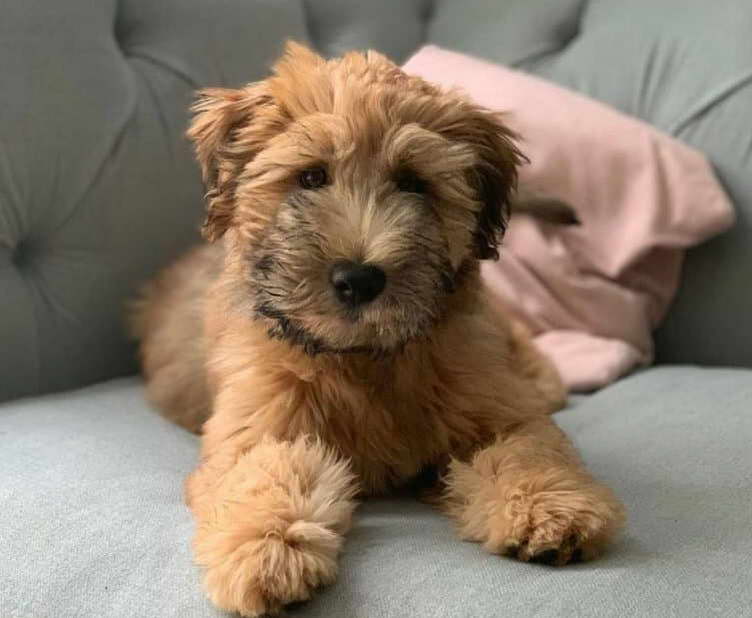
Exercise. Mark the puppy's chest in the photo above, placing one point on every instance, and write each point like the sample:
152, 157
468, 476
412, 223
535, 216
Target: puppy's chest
389, 432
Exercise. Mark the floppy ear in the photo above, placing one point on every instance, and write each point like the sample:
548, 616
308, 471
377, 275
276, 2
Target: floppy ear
494, 177
229, 128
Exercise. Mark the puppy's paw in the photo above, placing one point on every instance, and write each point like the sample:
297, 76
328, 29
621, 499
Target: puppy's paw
271, 527
554, 527
260, 576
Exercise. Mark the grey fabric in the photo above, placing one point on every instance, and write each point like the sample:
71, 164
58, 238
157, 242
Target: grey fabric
394, 27
92, 521
515, 32
97, 184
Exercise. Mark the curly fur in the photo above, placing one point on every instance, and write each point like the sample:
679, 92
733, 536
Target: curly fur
310, 403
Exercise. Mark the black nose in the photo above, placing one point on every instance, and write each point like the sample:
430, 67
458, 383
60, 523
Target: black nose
357, 284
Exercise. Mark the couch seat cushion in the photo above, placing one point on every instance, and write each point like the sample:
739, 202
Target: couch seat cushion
92, 521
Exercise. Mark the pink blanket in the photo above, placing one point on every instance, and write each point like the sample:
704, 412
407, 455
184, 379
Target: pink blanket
592, 294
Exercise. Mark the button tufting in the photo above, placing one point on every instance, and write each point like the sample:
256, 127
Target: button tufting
19, 255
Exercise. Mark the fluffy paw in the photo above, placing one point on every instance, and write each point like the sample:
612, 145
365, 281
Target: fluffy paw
270, 529
261, 576
554, 527
529, 496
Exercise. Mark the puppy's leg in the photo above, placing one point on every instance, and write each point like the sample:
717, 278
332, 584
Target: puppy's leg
270, 526
528, 495
536, 369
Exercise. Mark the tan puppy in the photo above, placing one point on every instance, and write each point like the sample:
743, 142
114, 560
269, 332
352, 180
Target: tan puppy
340, 340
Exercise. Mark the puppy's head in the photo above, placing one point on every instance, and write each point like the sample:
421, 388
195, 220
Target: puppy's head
351, 196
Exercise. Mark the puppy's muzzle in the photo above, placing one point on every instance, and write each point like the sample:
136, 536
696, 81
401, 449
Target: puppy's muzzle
356, 284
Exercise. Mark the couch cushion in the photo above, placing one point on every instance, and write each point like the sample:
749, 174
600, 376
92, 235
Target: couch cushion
394, 27
685, 66
98, 187
92, 521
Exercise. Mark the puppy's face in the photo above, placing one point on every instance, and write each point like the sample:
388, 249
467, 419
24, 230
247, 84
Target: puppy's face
351, 196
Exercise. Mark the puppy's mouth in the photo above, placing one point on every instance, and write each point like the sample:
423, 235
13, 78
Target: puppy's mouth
378, 327
284, 328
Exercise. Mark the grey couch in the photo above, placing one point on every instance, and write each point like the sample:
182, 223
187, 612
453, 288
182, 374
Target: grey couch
98, 190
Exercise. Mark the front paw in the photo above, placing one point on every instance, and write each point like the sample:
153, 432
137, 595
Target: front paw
270, 530
261, 575
554, 526
552, 515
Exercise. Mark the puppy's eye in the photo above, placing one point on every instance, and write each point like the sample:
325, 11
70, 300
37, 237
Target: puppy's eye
312, 178
410, 183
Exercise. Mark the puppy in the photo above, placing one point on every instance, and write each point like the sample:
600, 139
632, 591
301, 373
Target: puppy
336, 334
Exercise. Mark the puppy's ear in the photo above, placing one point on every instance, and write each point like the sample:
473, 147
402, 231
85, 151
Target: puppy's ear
494, 176
229, 128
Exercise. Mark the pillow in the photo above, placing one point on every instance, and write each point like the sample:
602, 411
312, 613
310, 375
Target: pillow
591, 294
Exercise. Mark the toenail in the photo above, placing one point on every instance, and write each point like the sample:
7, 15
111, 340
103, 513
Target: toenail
549, 557
511, 549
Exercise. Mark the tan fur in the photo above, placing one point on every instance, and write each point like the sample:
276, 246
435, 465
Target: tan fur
311, 404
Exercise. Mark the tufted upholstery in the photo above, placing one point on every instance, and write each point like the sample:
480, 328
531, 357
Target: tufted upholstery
98, 188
